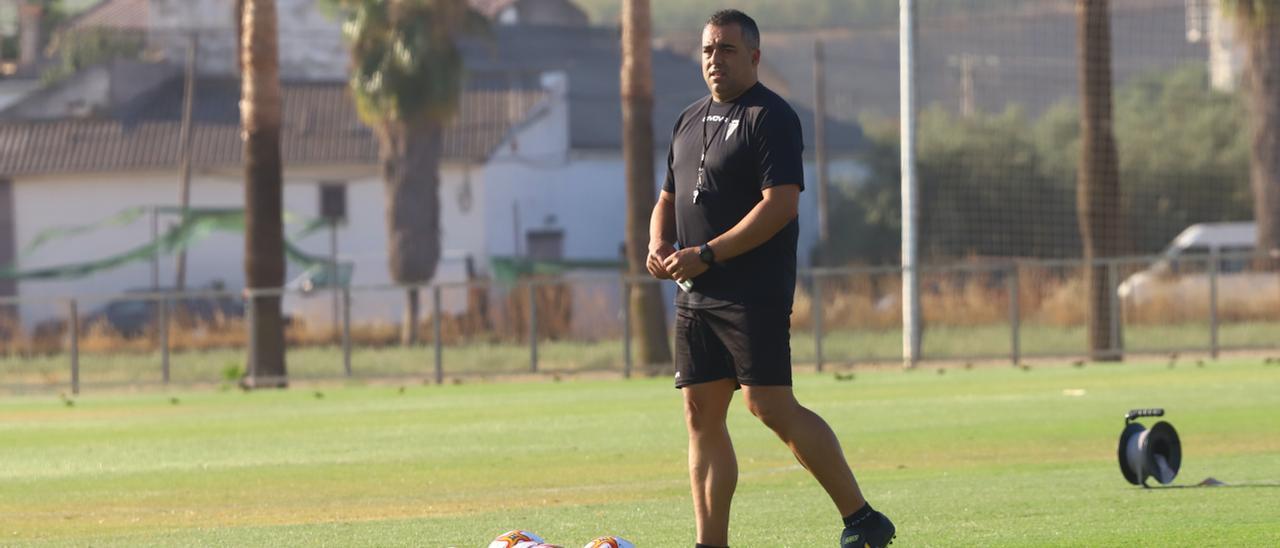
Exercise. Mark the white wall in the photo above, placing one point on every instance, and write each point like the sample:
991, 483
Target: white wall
48, 202
468, 205
533, 171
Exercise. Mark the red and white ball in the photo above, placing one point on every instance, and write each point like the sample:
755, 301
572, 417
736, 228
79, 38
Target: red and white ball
517, 539
610, 542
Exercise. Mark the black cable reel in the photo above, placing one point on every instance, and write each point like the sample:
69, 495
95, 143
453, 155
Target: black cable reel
1154, 453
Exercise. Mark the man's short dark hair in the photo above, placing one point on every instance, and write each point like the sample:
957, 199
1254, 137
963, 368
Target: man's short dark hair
750, 32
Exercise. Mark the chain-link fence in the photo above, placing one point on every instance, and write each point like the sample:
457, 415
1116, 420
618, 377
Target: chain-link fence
999, 129
1002, 105
574, 324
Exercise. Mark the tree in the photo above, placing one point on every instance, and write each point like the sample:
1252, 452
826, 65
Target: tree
1003, 185
406, 79
260, 112
84, 48
1183, 156
1098, 178
1258, 22
645, 299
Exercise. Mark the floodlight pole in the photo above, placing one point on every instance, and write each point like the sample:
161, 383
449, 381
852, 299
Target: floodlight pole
910, 205
820, 150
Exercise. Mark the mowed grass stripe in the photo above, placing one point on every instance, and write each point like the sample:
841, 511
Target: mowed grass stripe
990, 456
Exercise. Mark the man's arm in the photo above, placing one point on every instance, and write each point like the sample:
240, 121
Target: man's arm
780, 204
662, 235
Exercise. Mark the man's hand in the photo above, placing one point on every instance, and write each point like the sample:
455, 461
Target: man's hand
658, 253
685, 264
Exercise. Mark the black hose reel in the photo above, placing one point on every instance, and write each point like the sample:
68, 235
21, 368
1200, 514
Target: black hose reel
1154, 453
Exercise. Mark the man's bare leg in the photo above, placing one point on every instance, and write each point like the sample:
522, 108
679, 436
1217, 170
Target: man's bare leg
810, 439
713, 467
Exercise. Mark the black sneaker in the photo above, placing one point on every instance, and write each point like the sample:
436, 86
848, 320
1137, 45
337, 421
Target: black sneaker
873, 531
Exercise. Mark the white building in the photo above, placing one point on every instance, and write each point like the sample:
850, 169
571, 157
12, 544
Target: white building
67, 173
533, 164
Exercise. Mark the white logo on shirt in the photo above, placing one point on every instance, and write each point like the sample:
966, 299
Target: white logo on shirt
732, 126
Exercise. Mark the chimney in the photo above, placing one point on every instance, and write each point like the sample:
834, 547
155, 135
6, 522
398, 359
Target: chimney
29, 38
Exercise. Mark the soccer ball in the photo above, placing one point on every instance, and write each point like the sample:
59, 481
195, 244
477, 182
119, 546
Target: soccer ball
610, 542
516, 539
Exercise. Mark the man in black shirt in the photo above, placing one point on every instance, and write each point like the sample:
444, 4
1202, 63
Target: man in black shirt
734, 176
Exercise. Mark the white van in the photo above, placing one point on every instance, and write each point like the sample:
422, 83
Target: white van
1182, 271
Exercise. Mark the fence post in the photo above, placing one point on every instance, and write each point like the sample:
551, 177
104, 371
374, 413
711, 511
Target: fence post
437, 329
251, 367
1113, 273
346, 330
533, 327
626, 327
75, 347
1015, 316
1215, 260
164, 338
818, 313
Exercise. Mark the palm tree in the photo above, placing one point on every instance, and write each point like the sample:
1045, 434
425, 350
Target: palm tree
260, 109
1258, 22
406, 79
645, 299
1098, 183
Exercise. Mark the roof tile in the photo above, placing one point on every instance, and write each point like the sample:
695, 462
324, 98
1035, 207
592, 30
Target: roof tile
317, 129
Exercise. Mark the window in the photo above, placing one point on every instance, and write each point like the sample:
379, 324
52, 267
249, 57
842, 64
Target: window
545, 244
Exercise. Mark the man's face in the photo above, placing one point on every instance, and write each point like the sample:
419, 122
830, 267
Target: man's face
728, 64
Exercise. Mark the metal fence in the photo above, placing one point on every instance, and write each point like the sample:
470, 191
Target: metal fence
988, 310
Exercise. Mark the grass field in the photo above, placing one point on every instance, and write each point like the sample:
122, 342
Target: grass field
967, 457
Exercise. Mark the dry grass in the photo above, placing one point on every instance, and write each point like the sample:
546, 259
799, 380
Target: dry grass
1052, 297
481, 322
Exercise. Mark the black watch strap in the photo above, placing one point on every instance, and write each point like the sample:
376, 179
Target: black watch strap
707, 254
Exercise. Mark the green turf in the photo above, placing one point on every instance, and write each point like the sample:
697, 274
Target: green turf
988, 456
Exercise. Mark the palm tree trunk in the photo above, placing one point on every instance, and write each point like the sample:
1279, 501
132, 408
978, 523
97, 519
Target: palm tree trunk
1262, 82
411, 176
264, 227
645, 299
412, 311
1098, 186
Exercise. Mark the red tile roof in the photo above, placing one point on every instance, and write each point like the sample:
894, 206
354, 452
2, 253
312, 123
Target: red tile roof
115, 14
320, 127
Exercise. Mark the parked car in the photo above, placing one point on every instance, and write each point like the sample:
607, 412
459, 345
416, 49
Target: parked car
132, 318
1183, 268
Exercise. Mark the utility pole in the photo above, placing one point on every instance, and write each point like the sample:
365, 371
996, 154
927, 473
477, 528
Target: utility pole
155, 249
967, 107
969, 64
820, 149
186, 138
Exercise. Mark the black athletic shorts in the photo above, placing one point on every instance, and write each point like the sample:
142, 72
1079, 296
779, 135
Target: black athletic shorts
749, 344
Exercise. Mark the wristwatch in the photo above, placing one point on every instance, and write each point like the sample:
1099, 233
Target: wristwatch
707, 254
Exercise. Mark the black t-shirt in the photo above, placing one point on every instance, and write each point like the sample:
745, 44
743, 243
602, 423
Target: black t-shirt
752, 143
